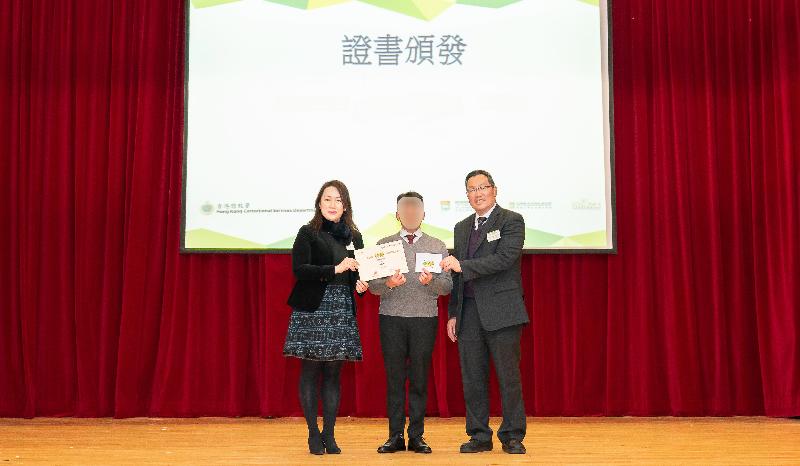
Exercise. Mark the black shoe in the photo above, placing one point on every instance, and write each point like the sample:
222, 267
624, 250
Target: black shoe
418, 445
315, 445
329, 442
514, 447
395, 443
476, 446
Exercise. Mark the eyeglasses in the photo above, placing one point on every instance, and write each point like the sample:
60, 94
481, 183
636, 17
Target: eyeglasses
479, 188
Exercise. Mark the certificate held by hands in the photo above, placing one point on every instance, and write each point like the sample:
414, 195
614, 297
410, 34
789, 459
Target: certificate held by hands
381, 261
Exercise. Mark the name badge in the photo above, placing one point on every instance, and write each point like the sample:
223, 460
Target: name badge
493, 235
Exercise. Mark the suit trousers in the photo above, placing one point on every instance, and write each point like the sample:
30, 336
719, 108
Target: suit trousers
475, 347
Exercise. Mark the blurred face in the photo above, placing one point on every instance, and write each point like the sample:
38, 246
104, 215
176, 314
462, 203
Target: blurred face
331, 204
481, 194
410, 213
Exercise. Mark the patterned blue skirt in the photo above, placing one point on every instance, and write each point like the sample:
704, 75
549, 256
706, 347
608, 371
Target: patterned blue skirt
330, 333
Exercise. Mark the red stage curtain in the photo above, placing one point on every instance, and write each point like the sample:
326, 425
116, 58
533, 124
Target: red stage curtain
100, 315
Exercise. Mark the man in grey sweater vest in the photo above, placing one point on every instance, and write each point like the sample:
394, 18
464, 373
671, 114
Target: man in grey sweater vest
408, 323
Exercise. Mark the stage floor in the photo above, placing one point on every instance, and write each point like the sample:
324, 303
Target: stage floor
141, 441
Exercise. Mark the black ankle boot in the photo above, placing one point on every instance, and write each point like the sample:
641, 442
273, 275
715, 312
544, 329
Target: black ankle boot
315, 445
330, 444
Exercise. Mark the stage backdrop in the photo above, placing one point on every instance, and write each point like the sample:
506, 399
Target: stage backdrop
100, 315
394, 96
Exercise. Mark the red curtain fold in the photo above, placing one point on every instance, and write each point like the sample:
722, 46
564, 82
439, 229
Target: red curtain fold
698, 313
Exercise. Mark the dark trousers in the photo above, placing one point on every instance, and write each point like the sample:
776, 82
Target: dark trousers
407, 344
475, 347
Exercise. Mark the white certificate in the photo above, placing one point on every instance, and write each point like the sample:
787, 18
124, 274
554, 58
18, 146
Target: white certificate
429, 261
381, 261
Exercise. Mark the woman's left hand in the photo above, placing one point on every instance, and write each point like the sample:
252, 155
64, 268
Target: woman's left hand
361, 286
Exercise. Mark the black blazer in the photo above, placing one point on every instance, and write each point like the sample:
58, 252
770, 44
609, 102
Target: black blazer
313, 267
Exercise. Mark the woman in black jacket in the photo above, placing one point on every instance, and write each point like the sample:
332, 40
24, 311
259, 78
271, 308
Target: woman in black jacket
322, 329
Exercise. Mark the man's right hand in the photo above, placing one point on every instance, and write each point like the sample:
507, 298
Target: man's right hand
451, 329
396, 280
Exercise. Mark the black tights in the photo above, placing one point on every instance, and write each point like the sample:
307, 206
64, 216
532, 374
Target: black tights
309, 389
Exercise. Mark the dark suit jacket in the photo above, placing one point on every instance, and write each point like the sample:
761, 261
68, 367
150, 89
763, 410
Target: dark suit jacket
494, 271
312, 264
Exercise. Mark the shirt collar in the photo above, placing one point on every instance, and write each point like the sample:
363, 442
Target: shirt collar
486, 215
417, 234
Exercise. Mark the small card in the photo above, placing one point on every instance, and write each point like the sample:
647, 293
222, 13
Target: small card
429, 262
493, 235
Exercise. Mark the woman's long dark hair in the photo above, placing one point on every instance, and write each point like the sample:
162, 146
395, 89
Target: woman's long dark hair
347, 215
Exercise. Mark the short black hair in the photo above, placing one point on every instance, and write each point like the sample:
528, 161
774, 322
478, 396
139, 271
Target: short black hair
476, 173
411, 194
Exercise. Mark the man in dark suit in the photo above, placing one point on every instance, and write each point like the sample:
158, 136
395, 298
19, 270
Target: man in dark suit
487, 312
